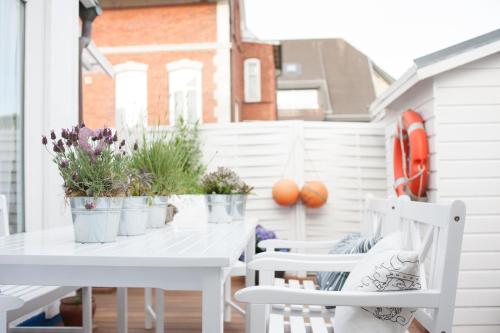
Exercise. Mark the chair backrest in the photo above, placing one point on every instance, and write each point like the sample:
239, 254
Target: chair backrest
380, 216
4, 216
435, 232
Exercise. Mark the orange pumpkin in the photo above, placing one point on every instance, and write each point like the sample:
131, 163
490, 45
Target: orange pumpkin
314, 194
286, 192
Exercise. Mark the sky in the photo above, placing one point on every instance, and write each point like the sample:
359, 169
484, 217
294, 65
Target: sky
391, 32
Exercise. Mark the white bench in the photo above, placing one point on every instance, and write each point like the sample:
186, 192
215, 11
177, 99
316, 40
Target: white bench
20, 301
434, 231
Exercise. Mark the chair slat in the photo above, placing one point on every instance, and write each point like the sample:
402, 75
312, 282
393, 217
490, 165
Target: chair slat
295, 284
279, 283
297, 324
309, 285
318, 324
276, 323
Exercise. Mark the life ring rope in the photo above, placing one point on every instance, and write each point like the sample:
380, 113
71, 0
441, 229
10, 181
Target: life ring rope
403, 135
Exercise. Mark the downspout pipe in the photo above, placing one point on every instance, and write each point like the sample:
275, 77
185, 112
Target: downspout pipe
87, 15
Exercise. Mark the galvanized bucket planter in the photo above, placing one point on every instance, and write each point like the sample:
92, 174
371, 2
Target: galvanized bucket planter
96, 220
220, 208
134, 216
239, 206
157, 211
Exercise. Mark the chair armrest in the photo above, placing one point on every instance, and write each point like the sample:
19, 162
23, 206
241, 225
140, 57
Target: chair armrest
310, 257
293, 244
8, 303
283, 295
279, 264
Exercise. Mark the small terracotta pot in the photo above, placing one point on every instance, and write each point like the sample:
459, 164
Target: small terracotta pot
71, 311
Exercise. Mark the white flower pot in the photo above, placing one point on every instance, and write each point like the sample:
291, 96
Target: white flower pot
96, 220
157, 211
239, 206
191, 208
134, 216
220, 208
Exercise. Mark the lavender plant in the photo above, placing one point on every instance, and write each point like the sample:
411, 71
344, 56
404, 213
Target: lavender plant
91, 162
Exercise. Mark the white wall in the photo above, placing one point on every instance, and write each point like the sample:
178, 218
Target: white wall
468, 114
51, 102
461, 109
347, 157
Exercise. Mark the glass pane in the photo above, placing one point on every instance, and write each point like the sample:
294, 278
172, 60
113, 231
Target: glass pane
11, 110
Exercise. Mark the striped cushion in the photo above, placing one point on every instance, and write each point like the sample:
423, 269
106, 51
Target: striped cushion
350, 244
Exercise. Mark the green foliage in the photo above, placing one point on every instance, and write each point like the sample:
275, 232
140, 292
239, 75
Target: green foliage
172, 158
91, 163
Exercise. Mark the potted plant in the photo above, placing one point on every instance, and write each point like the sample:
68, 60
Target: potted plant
71, 309
135, 210
240, 200
93, 167
189, 198
219, 187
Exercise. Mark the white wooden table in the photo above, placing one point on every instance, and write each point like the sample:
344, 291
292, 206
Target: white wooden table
176, 257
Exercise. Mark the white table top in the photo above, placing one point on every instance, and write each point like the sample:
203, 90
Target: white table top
175, 245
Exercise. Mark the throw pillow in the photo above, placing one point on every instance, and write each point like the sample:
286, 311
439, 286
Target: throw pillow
350, 244
380, 271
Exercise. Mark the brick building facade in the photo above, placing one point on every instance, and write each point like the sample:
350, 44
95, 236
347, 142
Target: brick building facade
194, 59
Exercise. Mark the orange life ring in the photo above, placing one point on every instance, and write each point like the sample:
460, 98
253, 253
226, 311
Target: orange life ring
411, 155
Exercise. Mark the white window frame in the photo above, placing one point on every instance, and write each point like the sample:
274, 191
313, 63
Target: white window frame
252, 94
297, 99
188, 65
127, 68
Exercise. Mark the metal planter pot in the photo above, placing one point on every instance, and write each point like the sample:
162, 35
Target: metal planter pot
239, 206
96, 220
157, 212
134, 216
220, 208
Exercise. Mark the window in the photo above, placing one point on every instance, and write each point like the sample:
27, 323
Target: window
185, 90
131, 95
252, 80
298, 99
12, 111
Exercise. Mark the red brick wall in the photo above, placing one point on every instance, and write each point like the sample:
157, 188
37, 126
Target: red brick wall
99, 97
173, 24
265, 110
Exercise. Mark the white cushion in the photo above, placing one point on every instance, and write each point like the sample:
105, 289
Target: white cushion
385, 268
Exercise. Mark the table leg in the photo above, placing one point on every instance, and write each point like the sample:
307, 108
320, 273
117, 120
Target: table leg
213, 303
159, 310
148, 308
249, 254
122, 309
87, 309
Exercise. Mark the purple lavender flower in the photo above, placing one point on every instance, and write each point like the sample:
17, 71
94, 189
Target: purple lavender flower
56, 149
64, 133
136, 146
83, 139
74, 176
97, 151
52, 135
89, 205
115, 137
69, 143
82, 125
64, 164
44, 140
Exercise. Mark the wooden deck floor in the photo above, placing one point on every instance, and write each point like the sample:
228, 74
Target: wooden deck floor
182, 312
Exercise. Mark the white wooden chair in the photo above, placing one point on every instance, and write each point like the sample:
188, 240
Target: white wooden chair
435, 231
17, 302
